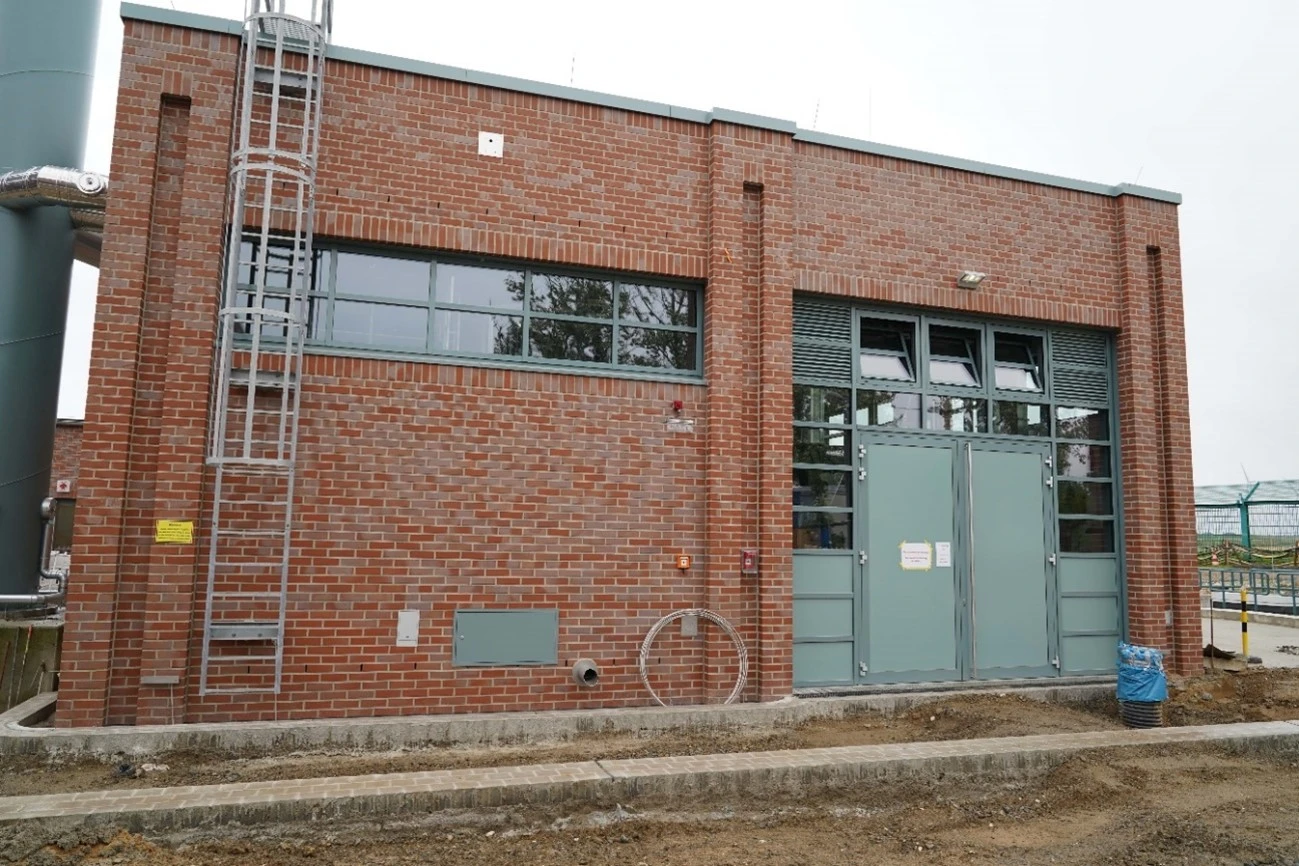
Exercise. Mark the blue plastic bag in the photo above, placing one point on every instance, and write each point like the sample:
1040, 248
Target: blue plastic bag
1141, 674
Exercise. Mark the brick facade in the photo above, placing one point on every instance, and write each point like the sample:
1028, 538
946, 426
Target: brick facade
436, 486
67, 456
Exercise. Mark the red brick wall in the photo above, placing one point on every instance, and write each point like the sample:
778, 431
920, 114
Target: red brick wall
67, 456
434, 486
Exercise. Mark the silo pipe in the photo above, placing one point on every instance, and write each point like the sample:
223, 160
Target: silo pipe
47, 58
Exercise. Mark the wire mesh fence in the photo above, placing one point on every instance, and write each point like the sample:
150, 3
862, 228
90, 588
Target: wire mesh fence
1257, 534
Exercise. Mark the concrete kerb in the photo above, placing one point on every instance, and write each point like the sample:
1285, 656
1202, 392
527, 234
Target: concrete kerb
402, 732
744, 774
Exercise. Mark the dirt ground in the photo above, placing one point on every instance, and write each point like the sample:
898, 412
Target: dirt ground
1190, 805
1232, 696
1195, 806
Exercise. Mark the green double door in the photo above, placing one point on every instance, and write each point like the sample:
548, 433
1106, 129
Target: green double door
956, 574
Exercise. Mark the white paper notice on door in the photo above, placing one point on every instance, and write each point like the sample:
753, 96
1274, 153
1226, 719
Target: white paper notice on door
917, 555
943, 554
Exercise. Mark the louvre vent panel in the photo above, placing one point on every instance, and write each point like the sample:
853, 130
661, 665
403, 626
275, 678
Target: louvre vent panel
1079, 348
819, 320
830, 363
1081, 386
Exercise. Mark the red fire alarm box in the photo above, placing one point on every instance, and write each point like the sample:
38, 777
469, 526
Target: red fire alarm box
683, 561
748, 562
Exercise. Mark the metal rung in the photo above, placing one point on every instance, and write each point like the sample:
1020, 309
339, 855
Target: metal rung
251, 533
217, 690
252, 465
275, 564
221, 596
259, 503
246, 630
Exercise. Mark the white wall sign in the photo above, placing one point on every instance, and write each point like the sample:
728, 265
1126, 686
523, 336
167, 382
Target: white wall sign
943, 554
917, 555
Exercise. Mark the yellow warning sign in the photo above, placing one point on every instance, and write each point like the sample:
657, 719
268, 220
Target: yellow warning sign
174, 532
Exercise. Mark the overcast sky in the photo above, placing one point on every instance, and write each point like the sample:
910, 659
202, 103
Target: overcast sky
1190, 96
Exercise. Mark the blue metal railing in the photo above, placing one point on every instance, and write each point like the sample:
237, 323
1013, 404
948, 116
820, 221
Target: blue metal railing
1266, 587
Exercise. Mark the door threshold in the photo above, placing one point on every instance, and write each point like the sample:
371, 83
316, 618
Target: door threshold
962, 686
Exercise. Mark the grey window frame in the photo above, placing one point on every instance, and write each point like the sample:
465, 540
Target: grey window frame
324, 291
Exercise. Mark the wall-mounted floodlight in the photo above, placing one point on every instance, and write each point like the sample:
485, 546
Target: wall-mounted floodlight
970, 279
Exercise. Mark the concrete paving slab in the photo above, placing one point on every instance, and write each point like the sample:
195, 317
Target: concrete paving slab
396, 732
1265, 640
748, 774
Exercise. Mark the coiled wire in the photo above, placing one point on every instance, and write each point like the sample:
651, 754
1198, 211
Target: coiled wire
714, 618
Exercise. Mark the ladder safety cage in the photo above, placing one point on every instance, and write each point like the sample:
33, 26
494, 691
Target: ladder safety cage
262, 325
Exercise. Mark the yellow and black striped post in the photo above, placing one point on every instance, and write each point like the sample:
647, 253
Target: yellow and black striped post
1244, 627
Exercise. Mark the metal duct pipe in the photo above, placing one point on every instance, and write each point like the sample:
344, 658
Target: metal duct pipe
51, 185
47, 57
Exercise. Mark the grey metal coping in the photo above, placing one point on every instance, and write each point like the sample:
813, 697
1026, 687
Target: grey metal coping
193, 21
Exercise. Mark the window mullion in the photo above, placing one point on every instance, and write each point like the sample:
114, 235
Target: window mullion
525, 350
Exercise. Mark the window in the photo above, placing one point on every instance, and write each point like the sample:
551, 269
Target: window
823, 530
1085, 498
1021, 419
280, 270
888, 409
64, 511
954, 356
821, 405
1017, 362
1082, 423
957, 414
419, 304
888, 350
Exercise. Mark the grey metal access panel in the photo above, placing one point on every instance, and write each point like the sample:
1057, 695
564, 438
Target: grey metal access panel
499, 638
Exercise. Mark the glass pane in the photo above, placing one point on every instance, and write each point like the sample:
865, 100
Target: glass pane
955, 355
952, 373
360, 324
1083, 461
479, 333
481, 287
1017, 379
888, 349
1017, 349
1085, 497
820, 487
887, 409
570, 341
884, 367
275, 329
1022, 419
822, 405
884, 335
821, 446
657, 305
572, 296
1082, 423
280, 270
959, 414
819, 530
650, 347
1086, 536
381, 277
